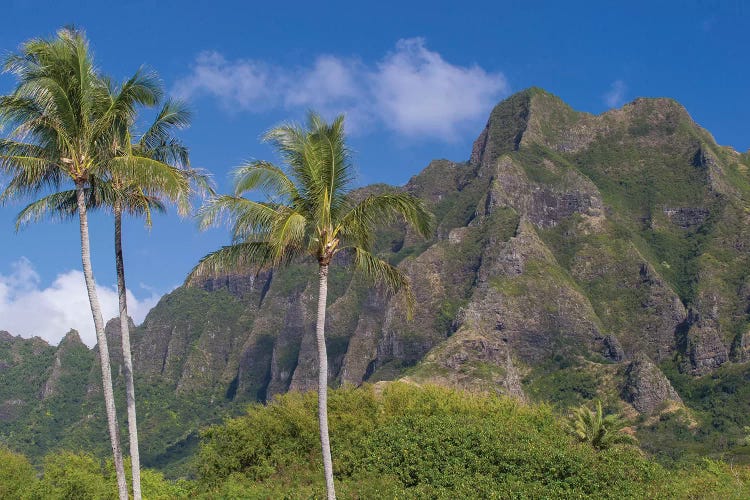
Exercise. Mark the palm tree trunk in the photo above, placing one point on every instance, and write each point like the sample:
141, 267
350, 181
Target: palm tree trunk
325, 442
127, 360
101, 338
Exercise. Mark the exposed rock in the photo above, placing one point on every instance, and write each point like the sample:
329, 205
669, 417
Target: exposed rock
705, 348
687, 217
472, 360
11, 409
646, 387
543, 205
72, 360
292, 324
613, 349
619, 278
362, 353
439, 179
114, 341
742, 350
238, 285
504, 129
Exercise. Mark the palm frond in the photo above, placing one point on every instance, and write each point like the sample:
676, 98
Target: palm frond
28, 175
379, 271
63, 205
287, 233
247, 217
150, 175
142, 89
336, 169
201, 185
173, 115
56, 206
593, 427
265, 177
301, 154
236, 258
359, 222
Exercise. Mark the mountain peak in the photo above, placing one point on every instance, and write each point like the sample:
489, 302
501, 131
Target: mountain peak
72, 338
532, 111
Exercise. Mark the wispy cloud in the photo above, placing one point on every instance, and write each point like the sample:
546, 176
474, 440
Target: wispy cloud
412, 90
243, 84
29, 309
615, 97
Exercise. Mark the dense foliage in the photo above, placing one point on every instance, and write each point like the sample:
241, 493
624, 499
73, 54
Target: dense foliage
392, 441
411, 442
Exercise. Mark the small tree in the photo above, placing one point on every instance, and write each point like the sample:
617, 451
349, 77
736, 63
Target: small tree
308, 213
600, 431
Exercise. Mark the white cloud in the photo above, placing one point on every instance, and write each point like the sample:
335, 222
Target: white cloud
28, 309
418, 93
411, 91
615, 97
243, 84
330, 79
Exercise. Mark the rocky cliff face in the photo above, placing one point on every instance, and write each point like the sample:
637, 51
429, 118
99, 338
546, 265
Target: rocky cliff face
565, 235
601, 246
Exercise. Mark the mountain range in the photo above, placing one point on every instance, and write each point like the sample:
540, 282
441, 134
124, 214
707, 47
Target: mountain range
576, 257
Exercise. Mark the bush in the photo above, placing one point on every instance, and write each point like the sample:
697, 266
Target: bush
16, 474
430, 441
75, 475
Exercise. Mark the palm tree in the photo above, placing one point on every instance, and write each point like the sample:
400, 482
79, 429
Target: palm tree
308, 213
64, 119
600, 431
160, 153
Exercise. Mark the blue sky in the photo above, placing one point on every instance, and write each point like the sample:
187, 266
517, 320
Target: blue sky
417, 81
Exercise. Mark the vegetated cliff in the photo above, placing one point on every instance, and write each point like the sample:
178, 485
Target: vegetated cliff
575, 257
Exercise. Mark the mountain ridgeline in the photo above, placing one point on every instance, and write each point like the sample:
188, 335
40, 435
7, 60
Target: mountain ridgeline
576, 256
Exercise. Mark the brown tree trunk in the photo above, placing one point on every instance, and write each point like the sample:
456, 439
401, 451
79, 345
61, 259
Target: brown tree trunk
127, 360
101, 338
325, 443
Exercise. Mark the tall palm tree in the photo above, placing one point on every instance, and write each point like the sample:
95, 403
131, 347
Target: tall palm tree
161, 153
158, 150
308, 213
63, 120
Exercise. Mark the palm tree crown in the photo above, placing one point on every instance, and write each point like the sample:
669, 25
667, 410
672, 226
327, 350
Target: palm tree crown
307, 210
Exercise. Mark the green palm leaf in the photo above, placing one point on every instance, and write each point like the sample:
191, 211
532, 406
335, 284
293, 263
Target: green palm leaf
379, 271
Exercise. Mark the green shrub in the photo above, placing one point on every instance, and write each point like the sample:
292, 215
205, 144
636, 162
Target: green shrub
69, 475
427, 442
16, 474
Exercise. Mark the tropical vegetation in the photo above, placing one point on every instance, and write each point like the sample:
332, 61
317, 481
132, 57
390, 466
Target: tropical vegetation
597, 429
62, 115
158, 149
391, 441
